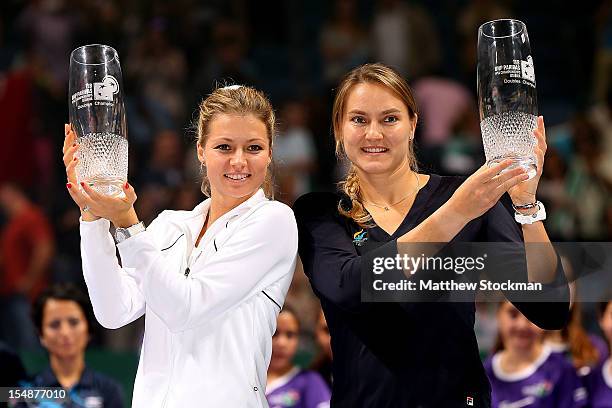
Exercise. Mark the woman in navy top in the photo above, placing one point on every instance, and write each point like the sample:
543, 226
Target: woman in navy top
405, 354
63, 316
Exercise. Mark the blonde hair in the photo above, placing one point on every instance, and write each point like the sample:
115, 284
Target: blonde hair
237, 100
371, 74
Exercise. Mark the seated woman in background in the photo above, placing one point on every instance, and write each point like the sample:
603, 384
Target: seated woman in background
288, 385
63, 316
524, 372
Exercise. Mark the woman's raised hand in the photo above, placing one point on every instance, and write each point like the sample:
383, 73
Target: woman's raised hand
525, 193
93, 205
483, 189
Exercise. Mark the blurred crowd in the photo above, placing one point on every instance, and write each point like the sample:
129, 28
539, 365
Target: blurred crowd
173, 53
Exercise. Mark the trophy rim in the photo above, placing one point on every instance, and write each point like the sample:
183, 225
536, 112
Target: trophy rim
521, 23
103, 46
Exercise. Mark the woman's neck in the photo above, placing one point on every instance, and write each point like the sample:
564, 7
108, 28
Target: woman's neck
513, 360
68, 371
388, 188
555, 337
275, 374
220, 205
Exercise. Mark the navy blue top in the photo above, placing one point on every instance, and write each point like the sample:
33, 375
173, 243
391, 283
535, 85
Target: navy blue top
401, 354
92, 390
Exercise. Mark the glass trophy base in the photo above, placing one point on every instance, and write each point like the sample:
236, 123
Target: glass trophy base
527, 163
111, 187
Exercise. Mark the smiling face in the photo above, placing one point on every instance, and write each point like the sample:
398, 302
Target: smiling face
64, 331
236, 154
376, 129
517, 332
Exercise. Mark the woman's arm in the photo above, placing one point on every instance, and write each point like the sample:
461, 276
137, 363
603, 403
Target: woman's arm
327, 252
478, 193
261, 252
114, 291
329, 256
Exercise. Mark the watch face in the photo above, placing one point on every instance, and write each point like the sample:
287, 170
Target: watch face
122, 234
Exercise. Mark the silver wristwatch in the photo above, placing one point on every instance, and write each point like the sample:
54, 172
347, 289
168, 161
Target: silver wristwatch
121, 234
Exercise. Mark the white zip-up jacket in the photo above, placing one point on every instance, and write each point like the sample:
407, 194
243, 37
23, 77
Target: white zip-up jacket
210, 312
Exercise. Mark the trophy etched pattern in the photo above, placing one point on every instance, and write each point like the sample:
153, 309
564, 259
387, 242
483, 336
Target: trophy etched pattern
97, 116
507, 96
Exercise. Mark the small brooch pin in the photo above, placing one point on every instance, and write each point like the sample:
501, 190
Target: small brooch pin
360, 237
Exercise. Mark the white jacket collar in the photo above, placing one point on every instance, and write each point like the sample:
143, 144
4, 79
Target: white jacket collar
193, 221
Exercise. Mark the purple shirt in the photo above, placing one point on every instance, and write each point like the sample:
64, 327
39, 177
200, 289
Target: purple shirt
550, 382
599, 386
298, 389
599, 344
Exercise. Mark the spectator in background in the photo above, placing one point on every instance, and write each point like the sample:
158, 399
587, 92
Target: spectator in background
463, 153
64, 319
584, 351
165, 168
442, 103
323, 360
17, 155
601, 117
524, 372
146, 118
288, 385
599, 382
586, 186
26, 252
404, 37
553, 189
187, 196
295, 153
344, 41
162, 177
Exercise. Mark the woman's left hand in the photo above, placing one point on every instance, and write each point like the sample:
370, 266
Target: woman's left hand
118, 210
525, 192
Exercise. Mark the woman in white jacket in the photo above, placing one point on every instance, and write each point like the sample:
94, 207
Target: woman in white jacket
210, 281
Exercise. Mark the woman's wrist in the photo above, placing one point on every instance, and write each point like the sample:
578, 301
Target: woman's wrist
524, 199
457, 219
126, 219
527, 206
88, 217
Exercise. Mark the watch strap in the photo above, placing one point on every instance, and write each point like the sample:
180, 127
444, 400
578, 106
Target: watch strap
523, 219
